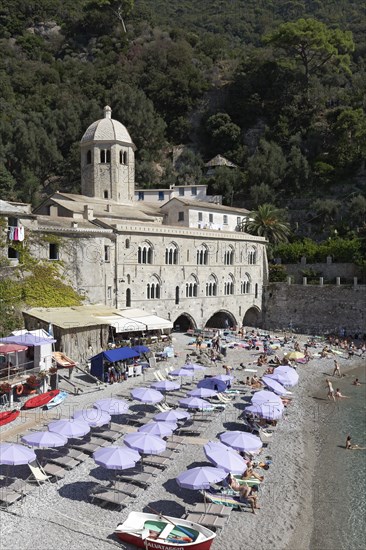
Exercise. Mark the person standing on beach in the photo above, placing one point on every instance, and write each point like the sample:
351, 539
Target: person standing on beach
337, 370
330, 394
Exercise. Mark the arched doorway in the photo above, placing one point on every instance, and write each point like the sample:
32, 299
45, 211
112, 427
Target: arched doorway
252, 317
221, 319
184, 322
128, 297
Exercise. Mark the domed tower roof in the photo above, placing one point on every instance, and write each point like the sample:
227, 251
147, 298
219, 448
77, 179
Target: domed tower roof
107, 129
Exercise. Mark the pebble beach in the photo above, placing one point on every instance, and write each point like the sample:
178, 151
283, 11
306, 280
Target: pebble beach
60, 515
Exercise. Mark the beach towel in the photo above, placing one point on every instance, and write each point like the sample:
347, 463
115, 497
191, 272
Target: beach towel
224, 500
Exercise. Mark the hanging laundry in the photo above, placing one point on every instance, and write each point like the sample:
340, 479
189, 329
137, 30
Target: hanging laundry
16, 231
20, 233
11, 233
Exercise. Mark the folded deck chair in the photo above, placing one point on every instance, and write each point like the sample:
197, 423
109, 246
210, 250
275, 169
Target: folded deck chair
38, 474
207, 520
108, 496
209, 508
128, 488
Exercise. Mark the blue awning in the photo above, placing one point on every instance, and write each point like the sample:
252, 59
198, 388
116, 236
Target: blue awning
141, 349
112, 355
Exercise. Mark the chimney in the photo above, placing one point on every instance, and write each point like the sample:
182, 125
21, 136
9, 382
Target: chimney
88, 212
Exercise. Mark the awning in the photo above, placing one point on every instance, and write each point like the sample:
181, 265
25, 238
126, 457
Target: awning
112, 355
11, 348
153, 322
122, 324
27, 339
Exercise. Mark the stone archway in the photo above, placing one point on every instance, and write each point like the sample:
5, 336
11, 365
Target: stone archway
252, 317
221, 319
184, 322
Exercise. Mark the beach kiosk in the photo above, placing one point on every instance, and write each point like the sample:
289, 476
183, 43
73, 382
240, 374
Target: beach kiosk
99, 362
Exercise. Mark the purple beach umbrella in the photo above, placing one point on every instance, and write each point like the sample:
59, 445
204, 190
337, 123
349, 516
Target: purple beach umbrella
195, 403
268, 411
69, 428
274, 385
202, 393
147, 395
224, 457
116, 457
94, 417
224, 377
165, 385
194, 366
201, 477
241, 441
212, 384
161, 429
112, 405
172, 416
145, 443
286, 375
181, 372
265, 396
13, 454
45, 440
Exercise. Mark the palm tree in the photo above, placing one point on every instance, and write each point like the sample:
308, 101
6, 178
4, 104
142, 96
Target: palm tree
268, 222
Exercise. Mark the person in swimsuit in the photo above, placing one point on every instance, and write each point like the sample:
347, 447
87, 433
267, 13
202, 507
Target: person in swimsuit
330, 394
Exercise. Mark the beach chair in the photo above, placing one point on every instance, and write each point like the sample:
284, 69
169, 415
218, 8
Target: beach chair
209, 508
173, 446
231, 501
158, 461
54, 471
142, 479
175, 439
109, 435
85, 447
8, 497
38, 474
127, 488
207, 520
104, 495
163, 407
76, 454
65, 461
158, 376
117, 428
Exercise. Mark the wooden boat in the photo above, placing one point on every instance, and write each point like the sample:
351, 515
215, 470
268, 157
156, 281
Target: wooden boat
62, 361
156, 532
57, 400
40, 400
8, 416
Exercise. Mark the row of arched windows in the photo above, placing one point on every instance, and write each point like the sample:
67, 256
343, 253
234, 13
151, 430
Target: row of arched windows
105, 156
145, 255
153, 287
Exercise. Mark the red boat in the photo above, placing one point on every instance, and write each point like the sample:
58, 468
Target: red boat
155, 532
40, 400
8, 416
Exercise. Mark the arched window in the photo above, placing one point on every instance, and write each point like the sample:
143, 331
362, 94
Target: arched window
202, 255
229, 285
256, 290
245, 286
125, 157
105, 194
108, 155
153, 288
120, 157
128, 279
89, 157
102, 156
192, 287
229, 256
252, 255
145, 253
211, 286
128, 297
171, 254
177, 294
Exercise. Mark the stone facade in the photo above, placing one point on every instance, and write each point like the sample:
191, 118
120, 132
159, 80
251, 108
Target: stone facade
121, 252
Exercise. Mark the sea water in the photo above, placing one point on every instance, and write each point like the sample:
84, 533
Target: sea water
339, 497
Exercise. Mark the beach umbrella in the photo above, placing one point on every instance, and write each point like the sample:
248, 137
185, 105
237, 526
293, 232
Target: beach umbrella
147, 395
274, 385
94, 417
165, 385
44, 439
212, 384
242, 441
144, 443
202, 393
269, 411
195, 403
224, 457
13, 454
265, 396
294, 356
112, 406
285, 375
181, 372
116, 457
224, 377
172, 416
161, 429
69, 428
194, 366
201, 477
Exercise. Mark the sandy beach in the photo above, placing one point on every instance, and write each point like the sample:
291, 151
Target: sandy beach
60, 515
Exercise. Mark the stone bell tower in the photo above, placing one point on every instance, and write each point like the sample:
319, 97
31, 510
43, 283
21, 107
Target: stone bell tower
108, 160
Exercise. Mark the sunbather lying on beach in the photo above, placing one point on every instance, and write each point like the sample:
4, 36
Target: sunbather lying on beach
249, 472
246, 494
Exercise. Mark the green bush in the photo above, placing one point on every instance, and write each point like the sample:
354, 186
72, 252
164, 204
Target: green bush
277, 273
341, 250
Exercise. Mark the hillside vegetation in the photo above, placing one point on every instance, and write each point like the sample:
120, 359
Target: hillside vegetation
278, 88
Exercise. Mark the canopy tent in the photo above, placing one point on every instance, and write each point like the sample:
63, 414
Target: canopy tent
111, 355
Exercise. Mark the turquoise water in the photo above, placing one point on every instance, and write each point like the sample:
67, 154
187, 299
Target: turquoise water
340, 479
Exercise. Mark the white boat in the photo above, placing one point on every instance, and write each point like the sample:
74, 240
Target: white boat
157, 532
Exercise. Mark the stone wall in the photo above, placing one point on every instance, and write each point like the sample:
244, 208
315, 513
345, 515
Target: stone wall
314, 309
328, 270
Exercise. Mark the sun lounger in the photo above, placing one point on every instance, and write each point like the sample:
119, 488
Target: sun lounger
99, 441
207, 520
209, 508
109, 435
85, 447
173, 446
54, 470
148, 470
175, 438
117, 427
108, 496
224, 500
190, 431
65, 461
75, 453
8, 497
128, 488
142, 479
158, 461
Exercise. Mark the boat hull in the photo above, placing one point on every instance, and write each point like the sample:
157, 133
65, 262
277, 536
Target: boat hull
40, 400
150, 544
8, 416
62, 361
